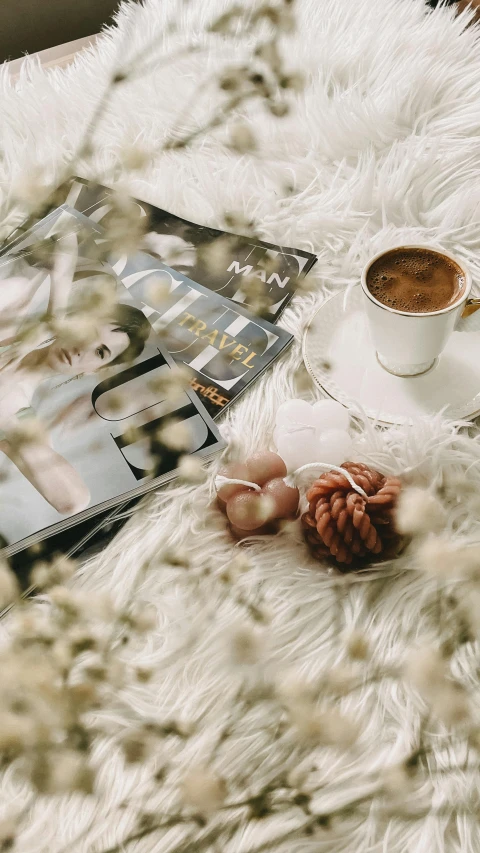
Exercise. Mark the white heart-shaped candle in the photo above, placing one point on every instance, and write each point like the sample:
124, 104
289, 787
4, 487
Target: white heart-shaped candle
319, 433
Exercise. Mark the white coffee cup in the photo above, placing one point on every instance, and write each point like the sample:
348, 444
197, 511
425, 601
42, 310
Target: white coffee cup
408, 344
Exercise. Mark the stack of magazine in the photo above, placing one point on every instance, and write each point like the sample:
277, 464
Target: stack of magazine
79, 412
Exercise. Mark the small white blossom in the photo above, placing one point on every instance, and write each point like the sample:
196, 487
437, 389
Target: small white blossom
8, 832
426, 668
357, 646
175, 252
247, 645
62, 773
55, 573
17, 733
61, 655
452, 705
135, 157
65, 599
144, 674
9, 589
397, 780
176, 556
469, 606
419, 512
28, 431
293, 689
340, 679
437, 555
143, 617
467, 562
136, 746
323, 727
157, 290
428, 671
176, 436
191, 469
217, 255
297, 777
203, 790
242, 138
30, 187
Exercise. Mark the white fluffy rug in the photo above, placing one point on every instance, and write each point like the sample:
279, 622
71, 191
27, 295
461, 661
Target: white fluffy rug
384, 146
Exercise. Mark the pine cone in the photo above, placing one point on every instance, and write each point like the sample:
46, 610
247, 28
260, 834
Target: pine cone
341, 525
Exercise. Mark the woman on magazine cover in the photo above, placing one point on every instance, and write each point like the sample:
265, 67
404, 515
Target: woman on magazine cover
26, 362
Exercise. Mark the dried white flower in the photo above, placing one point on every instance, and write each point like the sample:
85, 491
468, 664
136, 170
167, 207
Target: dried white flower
323, 727
158, 289
176, 556
203, 790
30, 627
437, 555
297, 777
62, 773
176, 436
125, 227
171, 383
67, 600
17, 733
247, 645
28, 431
241, 563
100, 606
191, 469
419, 512
427, 670
61, 655
357, 646
136, 745
97, 298
144, 674
78, 331
9, 588
294, 81
175, 252
8, 832
135, 157
467, 562
81, 639
397, 780
469, 607
31, 187
452, 705
216, 256
293, 689
340, 679
55, 573
142, 617
242, 138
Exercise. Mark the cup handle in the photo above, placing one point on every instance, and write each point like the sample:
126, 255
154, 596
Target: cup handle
471, 306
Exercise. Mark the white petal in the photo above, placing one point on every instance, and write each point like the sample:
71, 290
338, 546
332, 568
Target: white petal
294, 411
297, 449
329, 414
335, 447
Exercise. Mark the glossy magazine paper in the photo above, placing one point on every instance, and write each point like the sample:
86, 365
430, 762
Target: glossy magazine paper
88, 412
182, 245
224, 346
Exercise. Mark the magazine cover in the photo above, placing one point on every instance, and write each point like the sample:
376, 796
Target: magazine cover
224, 346
222, 262
90, 416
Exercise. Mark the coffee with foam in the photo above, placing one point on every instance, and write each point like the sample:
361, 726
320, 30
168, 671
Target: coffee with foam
415, 281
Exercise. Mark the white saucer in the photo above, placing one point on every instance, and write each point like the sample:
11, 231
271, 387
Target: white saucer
340, 357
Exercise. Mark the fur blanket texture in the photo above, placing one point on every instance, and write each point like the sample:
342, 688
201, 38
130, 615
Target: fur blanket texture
383, 146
